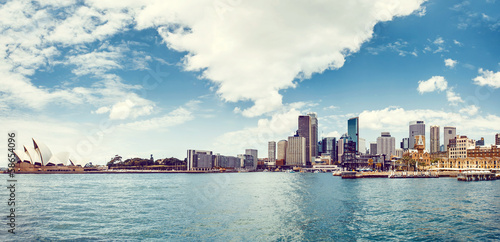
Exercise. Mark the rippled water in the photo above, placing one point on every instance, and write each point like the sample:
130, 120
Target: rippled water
251, 207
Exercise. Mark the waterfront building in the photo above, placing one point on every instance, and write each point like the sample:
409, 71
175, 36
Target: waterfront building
253, 153
271, 151
480, 142
228, 162
373, 148
296, 152
353, 131
247, 161
362, 146
305, 131
386, 145
434, 133
192, 157
39, 159
458, 146
416, 128
497, 139
483, 151
470, 163
449, 133
405, 143
282, 146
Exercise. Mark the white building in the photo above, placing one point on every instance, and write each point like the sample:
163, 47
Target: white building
253, 153
386, 145
458, 147
449, 133
271, 151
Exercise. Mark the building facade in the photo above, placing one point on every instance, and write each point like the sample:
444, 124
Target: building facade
458, 146
497, 139
282, 146
373, 148
353, 131
434, 133
449, 133
305, 131
416, 128
386, 145
484, 152
253, 153
329, 147
271, 151
405, 143
480, 142
314, 136
296, 152
192, 157
362, 146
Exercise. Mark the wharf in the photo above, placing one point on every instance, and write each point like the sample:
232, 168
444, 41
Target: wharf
476, 176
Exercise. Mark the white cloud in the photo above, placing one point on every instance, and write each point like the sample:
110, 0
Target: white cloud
470, 110
450, 62
331, 107
438, 41
333, 134
281, 125
457, 42
453, 98
433, 84
267, 45
487, 78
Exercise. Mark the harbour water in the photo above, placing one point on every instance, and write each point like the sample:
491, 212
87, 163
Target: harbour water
251, 207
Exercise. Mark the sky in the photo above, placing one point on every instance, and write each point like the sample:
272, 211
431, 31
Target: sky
100, 78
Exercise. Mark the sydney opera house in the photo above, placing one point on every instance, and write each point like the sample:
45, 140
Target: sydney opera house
39, 159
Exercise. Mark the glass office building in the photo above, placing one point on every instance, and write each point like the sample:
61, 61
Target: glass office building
353, 131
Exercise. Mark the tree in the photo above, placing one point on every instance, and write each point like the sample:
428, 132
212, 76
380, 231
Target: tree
117, 158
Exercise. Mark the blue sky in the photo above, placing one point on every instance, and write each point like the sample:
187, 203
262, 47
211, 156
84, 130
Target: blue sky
99, 78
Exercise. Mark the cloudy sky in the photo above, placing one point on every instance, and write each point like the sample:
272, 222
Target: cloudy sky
98, 78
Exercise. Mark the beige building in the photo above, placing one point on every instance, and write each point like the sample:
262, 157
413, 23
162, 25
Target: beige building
296, 151
458, 147
470, 163
282, 146
434, 139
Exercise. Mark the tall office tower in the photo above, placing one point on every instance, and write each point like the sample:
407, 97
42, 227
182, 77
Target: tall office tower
373, 148
362, 146
282, 144
253, 153
296, 151
386, 145
353, 131
192, 157
320, 147
416, 128
329, 147
271, 151
434, 139
340, 147
405, 144
314, 135
497, 139
449, 133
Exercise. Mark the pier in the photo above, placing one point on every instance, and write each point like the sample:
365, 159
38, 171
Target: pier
476, 176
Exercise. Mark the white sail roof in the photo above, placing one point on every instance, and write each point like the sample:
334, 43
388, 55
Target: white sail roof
43, 151
32, 154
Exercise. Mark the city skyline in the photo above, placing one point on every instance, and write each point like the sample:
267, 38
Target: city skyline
98, 79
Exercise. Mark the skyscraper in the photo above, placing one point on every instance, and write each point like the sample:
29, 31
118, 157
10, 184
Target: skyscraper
340, 147
353, 131
386, 145
449, 133
308, 128
296, 151
362, 146
253, 153
405, 144
434, 139
282, 145
330, 147
271, 151
314, 134
497, 139
416, 128
373, 148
